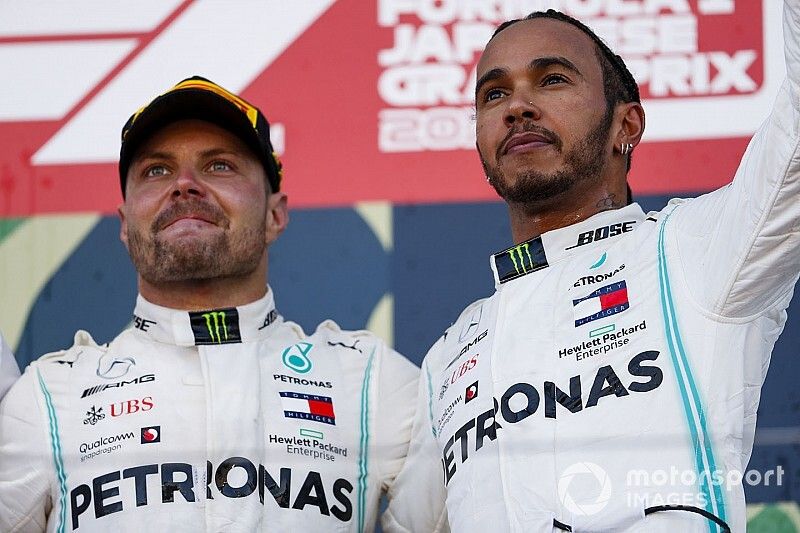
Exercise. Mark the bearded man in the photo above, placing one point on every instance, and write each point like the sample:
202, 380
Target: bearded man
611, 382
211, 413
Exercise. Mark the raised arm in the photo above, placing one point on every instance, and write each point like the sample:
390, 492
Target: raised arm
739, 246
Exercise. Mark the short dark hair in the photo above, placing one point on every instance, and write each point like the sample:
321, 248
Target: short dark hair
619, 86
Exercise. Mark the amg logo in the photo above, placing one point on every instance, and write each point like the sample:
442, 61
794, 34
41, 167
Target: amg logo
467, 346
99, 388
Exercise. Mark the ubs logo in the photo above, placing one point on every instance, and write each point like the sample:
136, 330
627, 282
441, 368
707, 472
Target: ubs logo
132, 406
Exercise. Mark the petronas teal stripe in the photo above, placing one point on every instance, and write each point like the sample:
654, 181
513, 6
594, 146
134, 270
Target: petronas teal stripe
363, 453
55, 444
717, 502
704, 456
430, 399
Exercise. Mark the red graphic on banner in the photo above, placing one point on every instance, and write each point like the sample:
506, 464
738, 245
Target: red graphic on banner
374, 101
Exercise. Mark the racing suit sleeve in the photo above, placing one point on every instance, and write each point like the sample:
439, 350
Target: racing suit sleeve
25, 459
745, 237
418, 500
397, 383
9, 371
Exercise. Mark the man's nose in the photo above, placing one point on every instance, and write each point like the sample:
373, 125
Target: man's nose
187, 184
521, 107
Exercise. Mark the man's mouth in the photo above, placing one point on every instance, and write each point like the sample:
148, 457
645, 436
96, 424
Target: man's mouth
524, 141
187, 218
195, 213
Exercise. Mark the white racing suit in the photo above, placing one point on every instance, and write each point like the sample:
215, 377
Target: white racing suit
226, 420
9, 371
618, 365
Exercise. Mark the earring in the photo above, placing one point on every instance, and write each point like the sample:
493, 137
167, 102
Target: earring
625, 148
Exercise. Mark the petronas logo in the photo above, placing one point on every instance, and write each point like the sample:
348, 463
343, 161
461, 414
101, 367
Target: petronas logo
296, 357
217, 328
519, 254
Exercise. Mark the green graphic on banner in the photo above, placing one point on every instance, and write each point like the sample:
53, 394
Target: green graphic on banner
8, 225
773, 518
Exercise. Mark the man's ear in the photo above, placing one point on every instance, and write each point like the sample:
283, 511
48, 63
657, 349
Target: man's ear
123, 225
631, 124
277, 215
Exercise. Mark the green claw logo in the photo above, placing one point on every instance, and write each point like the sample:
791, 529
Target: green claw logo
214, 320
516, 254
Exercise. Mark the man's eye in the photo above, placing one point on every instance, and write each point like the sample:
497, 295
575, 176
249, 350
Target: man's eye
219, 166
493, 94
155, 171
553, 79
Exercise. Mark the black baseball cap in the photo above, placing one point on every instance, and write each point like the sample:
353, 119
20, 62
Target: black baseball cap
199, 98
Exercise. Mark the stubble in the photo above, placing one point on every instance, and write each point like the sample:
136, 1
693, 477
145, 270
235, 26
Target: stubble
221, 254
584, 162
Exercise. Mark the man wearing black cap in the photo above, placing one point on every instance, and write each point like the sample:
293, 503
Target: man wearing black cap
211, 413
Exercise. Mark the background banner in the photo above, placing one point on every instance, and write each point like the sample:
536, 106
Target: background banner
372, 111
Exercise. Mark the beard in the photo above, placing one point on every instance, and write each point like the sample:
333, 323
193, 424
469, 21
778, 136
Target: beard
223, 254
584, 162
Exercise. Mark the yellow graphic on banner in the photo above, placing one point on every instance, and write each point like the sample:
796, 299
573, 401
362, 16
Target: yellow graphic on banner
31, 255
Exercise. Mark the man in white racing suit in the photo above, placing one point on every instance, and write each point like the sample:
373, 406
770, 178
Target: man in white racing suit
211, 413
611, 382
9, 371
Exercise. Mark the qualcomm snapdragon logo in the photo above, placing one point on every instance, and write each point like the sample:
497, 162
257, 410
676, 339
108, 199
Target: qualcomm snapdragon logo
584, 488
295, 357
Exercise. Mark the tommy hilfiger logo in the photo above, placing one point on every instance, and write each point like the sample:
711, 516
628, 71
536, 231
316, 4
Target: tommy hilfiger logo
605, 301
308, 407
220, 326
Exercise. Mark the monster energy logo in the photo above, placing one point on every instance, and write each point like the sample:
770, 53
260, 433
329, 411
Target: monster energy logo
519, 260
220, 326
517, 257
213, 321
